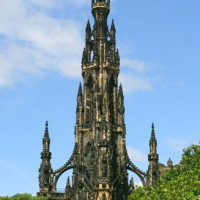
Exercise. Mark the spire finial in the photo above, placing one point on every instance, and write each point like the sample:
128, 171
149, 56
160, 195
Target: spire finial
88, 27
153, 130
153, 141
46, 128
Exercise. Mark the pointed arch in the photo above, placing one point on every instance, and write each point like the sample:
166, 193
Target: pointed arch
104, 197
142, 175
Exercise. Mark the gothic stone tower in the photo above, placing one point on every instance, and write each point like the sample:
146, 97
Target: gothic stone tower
100, 129
99, 160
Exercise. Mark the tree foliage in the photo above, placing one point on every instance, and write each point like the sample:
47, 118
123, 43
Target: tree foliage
181, 183
22, 197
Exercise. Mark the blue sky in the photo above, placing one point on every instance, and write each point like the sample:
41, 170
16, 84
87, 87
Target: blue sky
41, 44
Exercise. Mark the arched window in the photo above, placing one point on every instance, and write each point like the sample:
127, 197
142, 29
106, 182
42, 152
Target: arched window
91, 56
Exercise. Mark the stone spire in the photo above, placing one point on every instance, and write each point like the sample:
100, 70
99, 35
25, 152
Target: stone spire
153, 141
153, 170
100, 128
79, 105
88, 30
80, 91
112, 31
68, 183
45, 170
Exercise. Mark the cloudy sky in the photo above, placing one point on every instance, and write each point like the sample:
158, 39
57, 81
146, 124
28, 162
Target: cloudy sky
41, 44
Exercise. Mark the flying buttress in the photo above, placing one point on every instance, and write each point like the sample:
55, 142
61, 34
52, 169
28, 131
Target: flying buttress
67, 166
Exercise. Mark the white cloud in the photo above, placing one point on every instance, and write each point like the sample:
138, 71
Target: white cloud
132, 83
137, 156
178, 144
32, 41
138, 66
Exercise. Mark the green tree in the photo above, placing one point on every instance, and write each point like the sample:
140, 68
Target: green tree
22, 197
182, 183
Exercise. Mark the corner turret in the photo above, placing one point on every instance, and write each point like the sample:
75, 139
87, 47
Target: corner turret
169, 164
45, 170
153, 141
153, 157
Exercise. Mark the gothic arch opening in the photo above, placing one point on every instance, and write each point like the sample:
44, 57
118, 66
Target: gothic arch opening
103, 197
91, 55
138, 175
62, 181
136, 179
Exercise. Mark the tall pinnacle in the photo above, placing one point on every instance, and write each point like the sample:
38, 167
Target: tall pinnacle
153, 132
80, 90
46, 139
46, 130
121, 94
113, 26
153, 141
88, 27
68, 183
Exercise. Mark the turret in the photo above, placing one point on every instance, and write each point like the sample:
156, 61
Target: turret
100, 5
45, 170
169, 164
153, 170
100, 11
